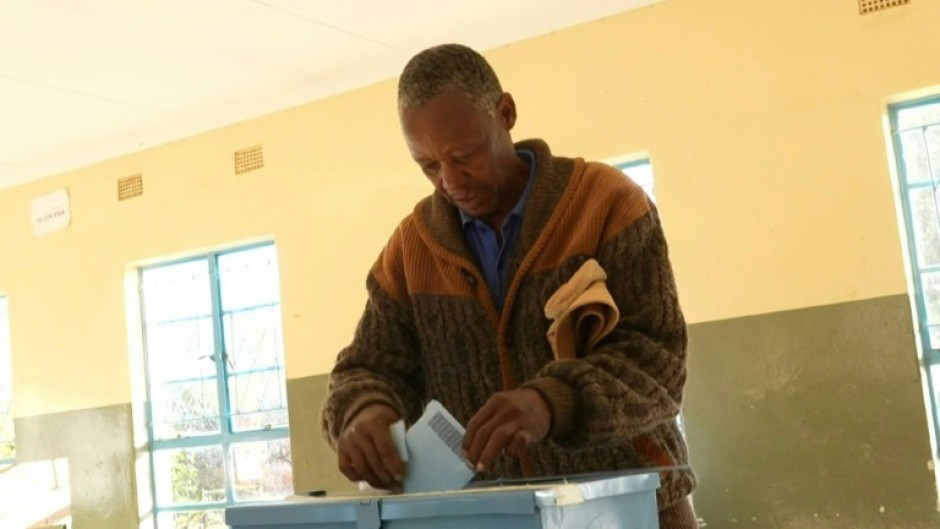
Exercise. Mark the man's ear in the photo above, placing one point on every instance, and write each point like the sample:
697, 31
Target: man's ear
506, 110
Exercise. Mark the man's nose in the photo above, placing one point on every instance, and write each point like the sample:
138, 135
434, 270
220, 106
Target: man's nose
451, 177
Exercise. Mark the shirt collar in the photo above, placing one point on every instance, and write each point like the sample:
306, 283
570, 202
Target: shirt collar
519, 208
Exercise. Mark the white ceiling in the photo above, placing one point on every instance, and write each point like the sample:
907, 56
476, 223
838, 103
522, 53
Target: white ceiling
82, 81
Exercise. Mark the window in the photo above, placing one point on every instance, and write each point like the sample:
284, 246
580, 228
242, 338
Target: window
7, 452
915, 132
217, 401
641, 172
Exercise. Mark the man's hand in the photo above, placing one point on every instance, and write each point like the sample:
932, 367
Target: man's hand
509, 421
366, 450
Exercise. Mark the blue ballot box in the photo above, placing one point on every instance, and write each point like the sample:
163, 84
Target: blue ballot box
609, 502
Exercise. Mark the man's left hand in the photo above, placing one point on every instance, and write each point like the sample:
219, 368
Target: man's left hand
508, 422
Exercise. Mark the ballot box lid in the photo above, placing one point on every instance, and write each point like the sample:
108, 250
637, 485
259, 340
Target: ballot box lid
371, 511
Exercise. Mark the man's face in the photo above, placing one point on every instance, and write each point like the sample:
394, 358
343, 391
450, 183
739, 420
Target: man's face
464, 151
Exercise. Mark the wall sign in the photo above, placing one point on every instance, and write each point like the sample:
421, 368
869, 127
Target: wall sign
51, 212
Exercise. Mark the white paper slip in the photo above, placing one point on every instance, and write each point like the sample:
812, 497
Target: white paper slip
435, 453
398, 437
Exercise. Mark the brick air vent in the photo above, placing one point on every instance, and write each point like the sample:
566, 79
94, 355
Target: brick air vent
130, 187
870, 6
248, 159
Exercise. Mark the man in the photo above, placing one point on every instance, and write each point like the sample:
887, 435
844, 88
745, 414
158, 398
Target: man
457, 299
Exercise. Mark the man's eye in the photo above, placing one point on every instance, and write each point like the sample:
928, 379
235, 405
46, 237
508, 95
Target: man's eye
430, 170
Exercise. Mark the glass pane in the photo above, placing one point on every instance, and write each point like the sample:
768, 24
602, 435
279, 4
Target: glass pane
919, 116
934, 332
185, 409
208, 519
189, 476
182, 375
253, 341
249, 278
256, 369
176, 291
262, 470
6, 384
932, 136
260, 391
926, 226
914, 149
257, 391
930, 283
181, 349
262, 420
253, 338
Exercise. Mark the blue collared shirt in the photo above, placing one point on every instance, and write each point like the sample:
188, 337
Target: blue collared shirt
484, 243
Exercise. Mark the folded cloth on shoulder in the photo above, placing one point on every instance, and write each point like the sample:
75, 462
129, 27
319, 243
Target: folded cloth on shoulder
583, 312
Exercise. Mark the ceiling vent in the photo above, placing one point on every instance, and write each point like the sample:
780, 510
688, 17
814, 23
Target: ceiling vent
130, 187
248, 159
870, 6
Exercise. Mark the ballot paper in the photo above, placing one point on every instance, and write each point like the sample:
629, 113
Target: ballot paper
432, 450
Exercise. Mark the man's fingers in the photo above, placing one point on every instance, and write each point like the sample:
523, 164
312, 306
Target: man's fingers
371, 459
366, 450
369, 476
359, 461
388, 454
519, 442
495, 445
357, 468
508, 422
387, 463
347, 468
479, 441
477, 422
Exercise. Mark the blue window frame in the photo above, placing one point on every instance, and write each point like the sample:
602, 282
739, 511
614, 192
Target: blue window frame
217, 401
7, 449
915, 134
641, 172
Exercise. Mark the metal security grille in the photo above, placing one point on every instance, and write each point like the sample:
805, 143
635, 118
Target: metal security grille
248, 159
130, 187
870, 6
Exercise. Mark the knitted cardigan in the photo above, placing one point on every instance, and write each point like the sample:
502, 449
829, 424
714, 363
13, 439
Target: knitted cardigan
430, 329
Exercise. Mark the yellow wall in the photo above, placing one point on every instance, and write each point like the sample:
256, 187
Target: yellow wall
763, 120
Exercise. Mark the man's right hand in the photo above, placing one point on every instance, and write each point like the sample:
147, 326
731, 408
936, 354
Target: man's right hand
366, 450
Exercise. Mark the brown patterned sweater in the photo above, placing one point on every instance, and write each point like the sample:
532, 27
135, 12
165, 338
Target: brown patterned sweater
431, 329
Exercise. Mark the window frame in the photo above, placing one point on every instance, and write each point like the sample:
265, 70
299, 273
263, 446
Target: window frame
928, 356
227, 436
